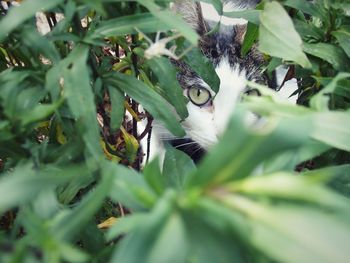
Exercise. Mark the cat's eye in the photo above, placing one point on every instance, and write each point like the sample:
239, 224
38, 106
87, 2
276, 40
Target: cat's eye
199, 96
252, 92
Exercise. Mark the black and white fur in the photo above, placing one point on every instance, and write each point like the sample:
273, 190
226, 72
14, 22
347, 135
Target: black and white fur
205, 124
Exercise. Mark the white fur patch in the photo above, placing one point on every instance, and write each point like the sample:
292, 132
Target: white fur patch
206, 124
233, 82
288, 88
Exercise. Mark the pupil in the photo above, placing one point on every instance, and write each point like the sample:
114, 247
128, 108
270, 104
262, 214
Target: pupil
198, 92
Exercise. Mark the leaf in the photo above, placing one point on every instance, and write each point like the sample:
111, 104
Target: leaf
23, 12
131, 145
343, 37
80, 98
242, 148
127, 224
174, 230
148, 98
172, 20
38, 113
250, 38
131, 189
304, 6
24, 183
331, 128
289, 160
171, 90
176, 168
320, 101
67, 224
278, 37
253, 16
217, 4
332, 54
144, 22
203, 67
117, 113
154, 177
138, 245
291, 233
289, 186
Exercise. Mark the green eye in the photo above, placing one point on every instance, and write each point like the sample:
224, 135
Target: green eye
253, 92
199, 96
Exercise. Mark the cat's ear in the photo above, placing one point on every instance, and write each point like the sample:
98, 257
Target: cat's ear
191, 12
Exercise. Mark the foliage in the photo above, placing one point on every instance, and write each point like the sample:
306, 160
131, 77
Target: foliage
65, 140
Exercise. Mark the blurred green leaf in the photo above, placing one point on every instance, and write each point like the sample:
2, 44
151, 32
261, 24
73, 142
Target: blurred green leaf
68, 223
250, 38
79, 96
343, 36
130, 188
172, 20
217, 4
278, 36
227, 161
144, 22
253, 16
25, 182
25, 11
320, 101
176, 168
117, 102
332, 54
304, 6
154, 176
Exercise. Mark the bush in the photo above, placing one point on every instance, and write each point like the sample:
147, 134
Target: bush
65, 143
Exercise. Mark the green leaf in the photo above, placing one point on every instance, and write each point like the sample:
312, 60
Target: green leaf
332, 54
217, 4
343, 37
148, 98
176, 168
173, 21
174, 230
117, 102
289, 186
27, 182
38, 113
292, 233
320, 101
23, 12
203, 67
278, 36
304, 6
241, 148
154, 177
131, 189
250, 38
171, 90
289, 160
253, 16
67, 224
332, 129
80, 98
144, 22
139, 243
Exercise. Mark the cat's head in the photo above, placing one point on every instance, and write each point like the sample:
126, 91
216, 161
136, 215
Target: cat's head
209, 113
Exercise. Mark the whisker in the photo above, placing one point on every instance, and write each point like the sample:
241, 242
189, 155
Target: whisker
185, 144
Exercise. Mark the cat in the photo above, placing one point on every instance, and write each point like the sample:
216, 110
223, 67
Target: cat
209, 113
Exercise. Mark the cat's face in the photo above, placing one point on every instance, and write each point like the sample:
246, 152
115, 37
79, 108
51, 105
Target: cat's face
209, 113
